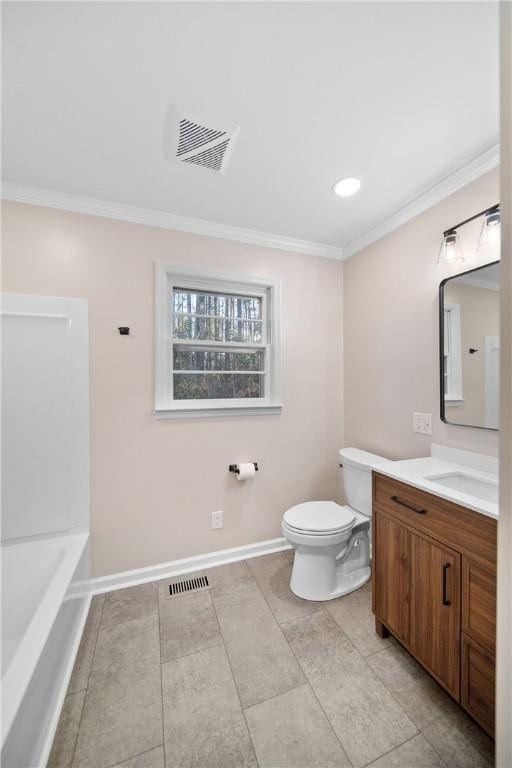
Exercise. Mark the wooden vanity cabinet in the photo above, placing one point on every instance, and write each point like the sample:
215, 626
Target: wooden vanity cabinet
434, 589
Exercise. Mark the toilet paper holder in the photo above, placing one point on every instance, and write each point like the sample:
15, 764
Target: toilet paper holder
236, 469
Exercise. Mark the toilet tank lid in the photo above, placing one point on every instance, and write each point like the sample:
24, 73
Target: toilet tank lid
361, 459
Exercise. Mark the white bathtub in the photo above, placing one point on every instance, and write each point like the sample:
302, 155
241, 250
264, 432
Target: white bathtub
42, 618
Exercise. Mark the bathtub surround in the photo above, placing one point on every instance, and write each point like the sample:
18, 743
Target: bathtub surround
155, 483
390, 309
45, 423
45, 519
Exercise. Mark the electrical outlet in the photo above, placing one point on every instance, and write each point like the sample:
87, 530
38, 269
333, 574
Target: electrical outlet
422, 423
217, 519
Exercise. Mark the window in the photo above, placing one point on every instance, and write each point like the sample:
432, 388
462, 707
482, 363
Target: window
217, 345
452, 349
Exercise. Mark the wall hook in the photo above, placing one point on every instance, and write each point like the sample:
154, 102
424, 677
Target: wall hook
124, 330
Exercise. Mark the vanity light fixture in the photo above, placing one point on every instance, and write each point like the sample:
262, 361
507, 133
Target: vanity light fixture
346, 187
451, 251
490, 234
451, 248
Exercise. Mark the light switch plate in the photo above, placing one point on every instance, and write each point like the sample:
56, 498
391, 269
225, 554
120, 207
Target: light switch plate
422, 423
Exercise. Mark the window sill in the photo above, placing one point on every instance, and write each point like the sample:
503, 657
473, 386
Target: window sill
217, 412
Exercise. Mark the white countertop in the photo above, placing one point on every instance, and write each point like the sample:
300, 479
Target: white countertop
415, 471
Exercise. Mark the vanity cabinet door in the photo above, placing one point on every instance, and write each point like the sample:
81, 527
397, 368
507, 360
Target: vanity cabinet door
391, 576
478, 682
479, 603
434, 634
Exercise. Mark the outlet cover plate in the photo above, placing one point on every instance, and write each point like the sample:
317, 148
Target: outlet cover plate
217, 519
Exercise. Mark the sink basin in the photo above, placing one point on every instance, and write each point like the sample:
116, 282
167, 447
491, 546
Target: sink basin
487, 490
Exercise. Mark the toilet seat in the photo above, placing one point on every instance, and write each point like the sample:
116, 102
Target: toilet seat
319, 518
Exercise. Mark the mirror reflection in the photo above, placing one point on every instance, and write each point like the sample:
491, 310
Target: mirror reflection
470, 347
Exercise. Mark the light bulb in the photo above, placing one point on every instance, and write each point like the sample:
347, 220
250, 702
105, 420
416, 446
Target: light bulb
451, 249
490, 234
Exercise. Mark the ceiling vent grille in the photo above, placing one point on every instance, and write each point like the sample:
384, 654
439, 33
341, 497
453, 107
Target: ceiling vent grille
193, 136
210, 158
196, 140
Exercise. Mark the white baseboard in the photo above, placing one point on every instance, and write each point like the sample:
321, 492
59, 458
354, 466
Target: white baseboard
102, 584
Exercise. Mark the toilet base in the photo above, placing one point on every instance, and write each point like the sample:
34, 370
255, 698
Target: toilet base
346, 582
349, 582
329, 566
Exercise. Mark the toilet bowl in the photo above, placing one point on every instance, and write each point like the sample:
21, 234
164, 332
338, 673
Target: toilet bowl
332, 542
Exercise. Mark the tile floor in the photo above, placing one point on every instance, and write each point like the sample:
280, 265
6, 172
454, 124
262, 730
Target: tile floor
245, 674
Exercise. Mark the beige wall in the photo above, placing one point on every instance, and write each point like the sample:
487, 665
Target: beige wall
390, 309
479, 317
155, 483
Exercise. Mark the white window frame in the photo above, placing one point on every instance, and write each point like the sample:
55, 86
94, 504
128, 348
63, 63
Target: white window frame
452, 355
169, 276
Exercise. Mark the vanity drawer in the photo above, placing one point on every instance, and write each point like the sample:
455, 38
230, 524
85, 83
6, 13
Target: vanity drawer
462, 529
477, 683
479, 603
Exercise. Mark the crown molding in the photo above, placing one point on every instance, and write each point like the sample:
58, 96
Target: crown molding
467, 173
486, 161
21, 193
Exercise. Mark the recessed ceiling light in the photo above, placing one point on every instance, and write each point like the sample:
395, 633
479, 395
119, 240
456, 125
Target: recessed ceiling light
346, 187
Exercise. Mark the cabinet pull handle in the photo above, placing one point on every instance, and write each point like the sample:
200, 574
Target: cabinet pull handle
445, 573
409, 506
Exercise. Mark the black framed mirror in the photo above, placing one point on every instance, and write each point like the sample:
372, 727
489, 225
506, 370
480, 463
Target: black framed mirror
469, 346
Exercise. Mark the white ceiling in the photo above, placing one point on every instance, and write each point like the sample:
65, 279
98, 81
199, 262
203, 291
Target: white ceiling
397, 94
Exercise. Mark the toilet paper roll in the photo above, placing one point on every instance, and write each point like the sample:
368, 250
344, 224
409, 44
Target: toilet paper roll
246, 471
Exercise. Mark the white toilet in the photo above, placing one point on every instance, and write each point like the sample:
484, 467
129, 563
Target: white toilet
331, 542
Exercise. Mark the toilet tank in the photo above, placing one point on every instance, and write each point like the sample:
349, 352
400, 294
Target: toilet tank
357, 477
